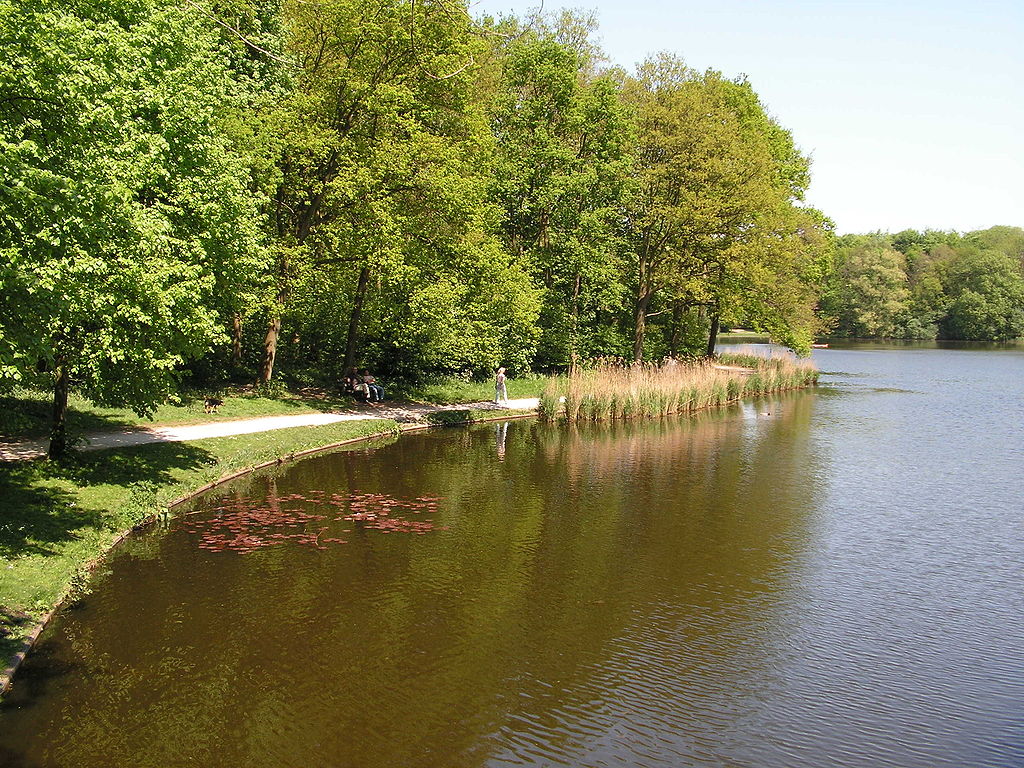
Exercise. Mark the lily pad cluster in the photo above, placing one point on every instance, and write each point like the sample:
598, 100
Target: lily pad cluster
248, 525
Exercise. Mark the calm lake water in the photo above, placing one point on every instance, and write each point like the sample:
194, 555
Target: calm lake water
830, 578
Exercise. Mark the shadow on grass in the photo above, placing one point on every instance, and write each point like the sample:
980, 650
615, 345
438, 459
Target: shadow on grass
36, 513
142, 466
30, 417
42, 507
444, 418
464, 416
322, 400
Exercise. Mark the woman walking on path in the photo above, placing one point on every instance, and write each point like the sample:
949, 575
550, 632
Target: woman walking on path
500, 393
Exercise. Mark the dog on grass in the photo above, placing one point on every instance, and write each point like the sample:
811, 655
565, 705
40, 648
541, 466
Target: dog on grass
212, 404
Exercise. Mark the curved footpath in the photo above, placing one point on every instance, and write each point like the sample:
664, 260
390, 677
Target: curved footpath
403, 413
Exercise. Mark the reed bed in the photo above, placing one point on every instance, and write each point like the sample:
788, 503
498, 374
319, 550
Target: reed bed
614, 391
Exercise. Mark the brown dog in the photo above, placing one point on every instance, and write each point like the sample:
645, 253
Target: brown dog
212, 404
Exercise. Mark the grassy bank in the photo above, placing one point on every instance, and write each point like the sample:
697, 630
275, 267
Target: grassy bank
59, 516
461, 391
26, 412
648, 391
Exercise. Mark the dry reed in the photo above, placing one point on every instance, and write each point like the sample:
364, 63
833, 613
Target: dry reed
613, 391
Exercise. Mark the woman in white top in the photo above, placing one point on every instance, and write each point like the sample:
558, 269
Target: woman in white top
500, 393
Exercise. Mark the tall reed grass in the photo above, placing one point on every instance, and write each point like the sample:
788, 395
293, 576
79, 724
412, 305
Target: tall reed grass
614, 391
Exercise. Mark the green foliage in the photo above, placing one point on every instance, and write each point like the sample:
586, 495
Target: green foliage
929, 284
986, 289
872, 291
126, 218
387, 254
405, 190
712, 222
561, 169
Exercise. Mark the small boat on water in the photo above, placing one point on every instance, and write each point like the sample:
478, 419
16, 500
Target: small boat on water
819, 346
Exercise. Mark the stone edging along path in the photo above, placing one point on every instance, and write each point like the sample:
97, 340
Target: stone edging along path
409, 418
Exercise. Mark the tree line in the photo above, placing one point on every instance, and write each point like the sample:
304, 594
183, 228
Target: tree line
928, 285
208, 190
214, 188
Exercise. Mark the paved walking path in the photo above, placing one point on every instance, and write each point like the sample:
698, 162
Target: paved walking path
407, 412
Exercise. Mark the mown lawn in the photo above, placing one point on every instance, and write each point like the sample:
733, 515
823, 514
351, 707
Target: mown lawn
26, 413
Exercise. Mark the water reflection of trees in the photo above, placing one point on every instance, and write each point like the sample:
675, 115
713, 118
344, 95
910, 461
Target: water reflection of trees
596, 575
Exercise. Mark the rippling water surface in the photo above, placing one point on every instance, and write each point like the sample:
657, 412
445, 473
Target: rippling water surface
831, 578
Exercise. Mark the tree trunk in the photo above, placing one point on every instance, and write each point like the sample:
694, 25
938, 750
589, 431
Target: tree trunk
236, 340
574, 323
643, 301
713, 335
58, 423
353, 323
677, 318
270, 347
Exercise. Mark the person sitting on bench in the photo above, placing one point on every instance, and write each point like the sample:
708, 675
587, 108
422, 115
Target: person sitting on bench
353, 385
374, 391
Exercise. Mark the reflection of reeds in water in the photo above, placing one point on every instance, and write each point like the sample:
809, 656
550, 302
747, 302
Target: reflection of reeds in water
613, 391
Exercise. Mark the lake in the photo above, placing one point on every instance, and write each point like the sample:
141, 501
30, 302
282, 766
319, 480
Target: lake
827, 578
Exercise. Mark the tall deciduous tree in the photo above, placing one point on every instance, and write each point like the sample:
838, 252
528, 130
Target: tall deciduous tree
716, 181
383, 178
869, 292
986, 291
123, 207
562, 165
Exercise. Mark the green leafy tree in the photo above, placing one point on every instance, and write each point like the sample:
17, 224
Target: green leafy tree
869, 292
123, 209
561, 169
986, 290
711, 219
384, 156
1007, 240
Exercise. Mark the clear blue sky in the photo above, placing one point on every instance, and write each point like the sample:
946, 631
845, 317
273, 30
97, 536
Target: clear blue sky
912, 111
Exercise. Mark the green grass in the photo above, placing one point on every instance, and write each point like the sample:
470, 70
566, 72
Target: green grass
470, 415
455, 390
26, 413
55, 517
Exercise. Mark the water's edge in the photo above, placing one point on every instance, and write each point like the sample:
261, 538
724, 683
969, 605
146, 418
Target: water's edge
15, 660
32, 637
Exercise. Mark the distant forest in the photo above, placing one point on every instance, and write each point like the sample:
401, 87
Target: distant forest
928, 285
198, 191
